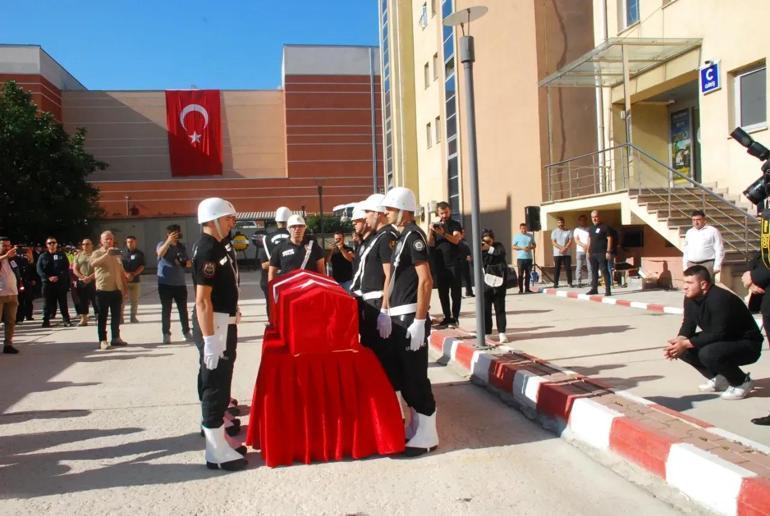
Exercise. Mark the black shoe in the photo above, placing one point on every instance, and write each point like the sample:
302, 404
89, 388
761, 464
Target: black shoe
30, 318
469, 294
234, 430
571, 285
46, 324
453, 323
555, 285
592, 292
529, 291
67, 323
444, 324
9, 350
233, 465
416, 452
608, 294
764, 421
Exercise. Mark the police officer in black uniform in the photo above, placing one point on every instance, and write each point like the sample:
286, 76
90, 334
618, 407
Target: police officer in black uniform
408, 297
215, 276
53, 267
268, 243
295, 252
372, 269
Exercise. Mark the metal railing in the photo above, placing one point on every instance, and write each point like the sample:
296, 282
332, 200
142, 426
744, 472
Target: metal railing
627, 168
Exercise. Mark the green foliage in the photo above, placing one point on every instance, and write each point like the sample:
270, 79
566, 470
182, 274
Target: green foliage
43, 171
331, 224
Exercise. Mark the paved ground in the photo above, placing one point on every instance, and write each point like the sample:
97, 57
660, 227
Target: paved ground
91, 432
623, 346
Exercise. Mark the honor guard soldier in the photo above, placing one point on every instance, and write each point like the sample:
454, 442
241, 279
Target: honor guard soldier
269, 241
215, 275
372, 273
408, 297
295, 252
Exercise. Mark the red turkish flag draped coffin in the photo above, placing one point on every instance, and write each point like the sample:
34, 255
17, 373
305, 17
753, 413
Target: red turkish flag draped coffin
194, 132
319, 394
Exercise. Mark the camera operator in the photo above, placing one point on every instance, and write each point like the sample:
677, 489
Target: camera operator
110, 279
340, 256
172, 287
444, 237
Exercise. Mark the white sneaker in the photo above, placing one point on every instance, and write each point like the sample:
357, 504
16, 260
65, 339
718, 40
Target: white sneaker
104, 345
739, 392
502, 338
716, 384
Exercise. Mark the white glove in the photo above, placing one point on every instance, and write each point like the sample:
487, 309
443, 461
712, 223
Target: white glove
213, 350
416, 334
384, 326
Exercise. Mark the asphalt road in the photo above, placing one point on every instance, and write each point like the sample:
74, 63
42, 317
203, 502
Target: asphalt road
89, 432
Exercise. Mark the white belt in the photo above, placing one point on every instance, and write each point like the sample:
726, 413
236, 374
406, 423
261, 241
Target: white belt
402, 310
374, 294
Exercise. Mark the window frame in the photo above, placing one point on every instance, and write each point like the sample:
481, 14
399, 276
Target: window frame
428, 135
737, 77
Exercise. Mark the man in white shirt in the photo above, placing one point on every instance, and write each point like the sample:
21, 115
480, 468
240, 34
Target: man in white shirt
703, 245
9, 293
581, 236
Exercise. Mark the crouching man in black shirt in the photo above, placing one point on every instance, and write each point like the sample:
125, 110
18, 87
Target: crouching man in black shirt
729, 336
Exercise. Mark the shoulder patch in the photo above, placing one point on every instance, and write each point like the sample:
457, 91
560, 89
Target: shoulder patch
209, 269
392, 244
418, 244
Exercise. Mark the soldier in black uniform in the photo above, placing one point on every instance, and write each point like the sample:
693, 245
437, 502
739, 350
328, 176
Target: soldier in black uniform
408, 297
215, 276
295, 252
54, 271
268, 243
372, 269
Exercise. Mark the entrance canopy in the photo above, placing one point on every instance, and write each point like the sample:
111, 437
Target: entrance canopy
604, 65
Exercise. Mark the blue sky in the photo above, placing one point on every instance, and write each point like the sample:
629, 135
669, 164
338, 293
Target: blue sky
167, 44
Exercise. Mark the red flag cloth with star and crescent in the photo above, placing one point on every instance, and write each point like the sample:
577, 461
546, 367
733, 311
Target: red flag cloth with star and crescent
194, 132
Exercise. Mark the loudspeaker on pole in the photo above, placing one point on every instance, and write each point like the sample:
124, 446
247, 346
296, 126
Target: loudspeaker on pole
532, 217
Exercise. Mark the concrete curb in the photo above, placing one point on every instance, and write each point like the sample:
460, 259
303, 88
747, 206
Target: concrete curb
650, 307
723, 472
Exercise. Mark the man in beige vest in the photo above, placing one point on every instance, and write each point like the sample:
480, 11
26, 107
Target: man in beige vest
110, 289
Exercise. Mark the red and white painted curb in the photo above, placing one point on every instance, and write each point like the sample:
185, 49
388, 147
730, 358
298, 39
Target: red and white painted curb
714, 468
651, 307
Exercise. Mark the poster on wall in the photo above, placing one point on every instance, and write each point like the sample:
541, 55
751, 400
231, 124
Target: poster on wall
681, 143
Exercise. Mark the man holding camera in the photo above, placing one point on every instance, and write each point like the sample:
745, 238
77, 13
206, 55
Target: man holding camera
340, 256
9, 291
110, 289
444, 237
172, 286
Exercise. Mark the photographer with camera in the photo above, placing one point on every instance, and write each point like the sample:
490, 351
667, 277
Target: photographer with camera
110, 278
340, 256
172, 286
444, 238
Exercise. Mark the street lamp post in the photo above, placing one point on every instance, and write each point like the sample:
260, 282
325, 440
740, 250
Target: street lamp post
462, 18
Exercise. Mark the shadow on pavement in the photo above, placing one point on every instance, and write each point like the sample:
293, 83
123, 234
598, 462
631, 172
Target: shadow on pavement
683, 403
29, 415
29, 472
575, 332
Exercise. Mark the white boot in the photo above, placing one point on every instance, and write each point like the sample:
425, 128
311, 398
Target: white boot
219, 454
411, 427
425, 439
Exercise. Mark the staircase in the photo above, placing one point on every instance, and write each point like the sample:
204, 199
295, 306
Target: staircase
657, 194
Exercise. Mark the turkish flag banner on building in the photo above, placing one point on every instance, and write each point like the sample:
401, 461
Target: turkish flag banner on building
194, 132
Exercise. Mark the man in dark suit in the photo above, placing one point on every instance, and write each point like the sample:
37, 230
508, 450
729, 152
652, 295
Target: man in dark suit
729, 336
757, 280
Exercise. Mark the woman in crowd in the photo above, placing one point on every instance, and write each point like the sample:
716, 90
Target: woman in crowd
495, 276
85, 288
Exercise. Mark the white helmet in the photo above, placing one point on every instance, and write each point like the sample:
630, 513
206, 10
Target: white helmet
373, 203
282, 214
295, 220
358, 211
400, 198
213, 208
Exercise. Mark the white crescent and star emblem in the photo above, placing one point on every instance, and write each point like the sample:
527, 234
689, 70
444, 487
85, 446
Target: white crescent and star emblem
190, 108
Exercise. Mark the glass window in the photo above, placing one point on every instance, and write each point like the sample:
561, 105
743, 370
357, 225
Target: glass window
437, 128
435, 66
450, 107
451, 146
446, 8
424, 16
428, 135
751, 98
632, 12
451, 127
426, 74
449, 67
449, 86
449, 47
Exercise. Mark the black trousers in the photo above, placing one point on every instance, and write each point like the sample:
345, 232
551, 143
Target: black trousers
24, 311
108, 301
465, 270
85, 295
525, 271
565, 261
413, 366
599, 264
494, 297
169, 294
54, 293
267, 303
370, 337
724, 358
450, 281
214, 386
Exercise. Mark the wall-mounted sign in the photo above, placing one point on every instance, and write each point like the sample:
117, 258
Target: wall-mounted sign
709, 78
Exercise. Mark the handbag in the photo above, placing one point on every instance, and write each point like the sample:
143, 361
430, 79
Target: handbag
493, 281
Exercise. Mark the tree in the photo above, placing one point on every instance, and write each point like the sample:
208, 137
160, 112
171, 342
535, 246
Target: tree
43, 171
